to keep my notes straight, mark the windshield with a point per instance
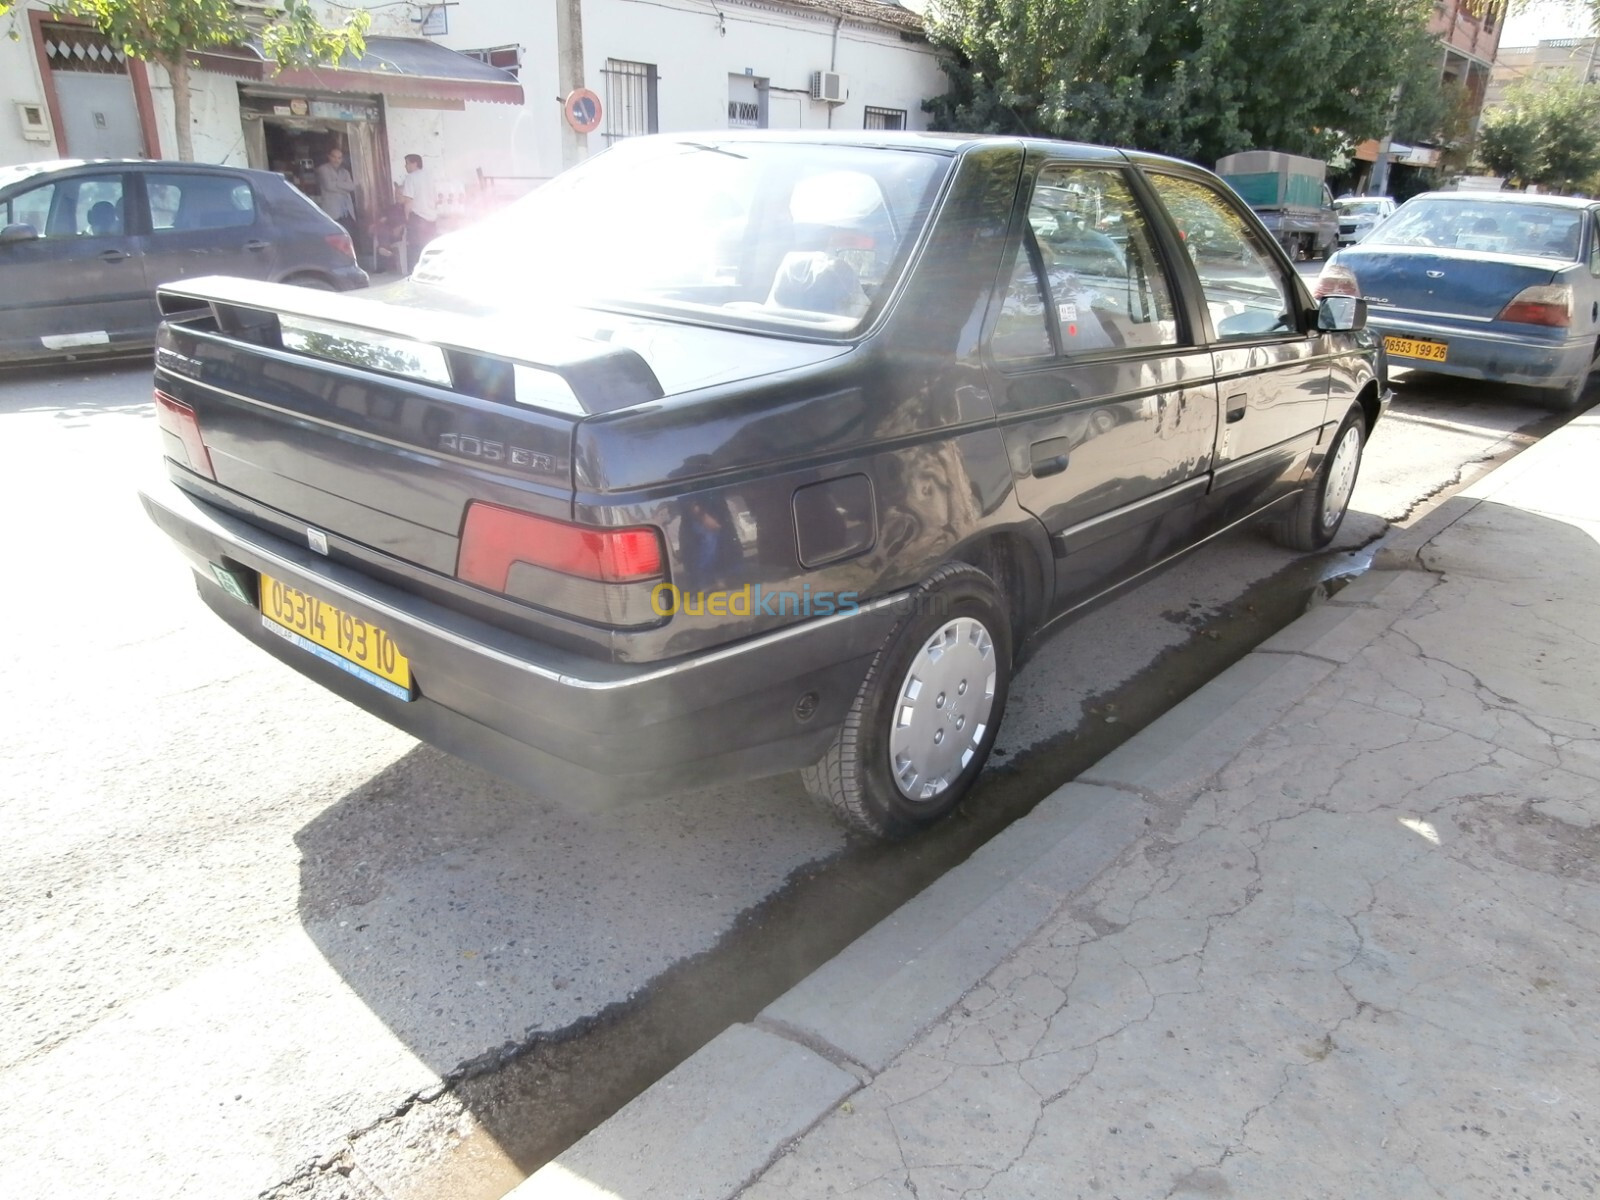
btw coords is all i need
(1543, 230)
(1373, 208)
(738, 231)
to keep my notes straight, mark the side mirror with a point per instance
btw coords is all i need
(17, 233)
(1341, 314)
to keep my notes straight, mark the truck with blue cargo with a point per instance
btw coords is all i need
(1291, 196)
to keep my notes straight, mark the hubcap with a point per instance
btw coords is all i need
(943, 709)
(1341, 477)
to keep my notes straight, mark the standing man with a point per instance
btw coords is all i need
(422, 209)
(336, 191)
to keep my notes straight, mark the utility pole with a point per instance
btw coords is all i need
(569, 75)
(1379, 185)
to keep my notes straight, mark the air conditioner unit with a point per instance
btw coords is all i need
(828, 86)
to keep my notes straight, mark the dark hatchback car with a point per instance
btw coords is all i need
(85, 245)
(783, 470)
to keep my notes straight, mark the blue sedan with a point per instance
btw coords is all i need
(1496, 286)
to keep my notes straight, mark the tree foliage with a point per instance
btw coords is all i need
(168, 32)
(1194, 78)
(1546, 131)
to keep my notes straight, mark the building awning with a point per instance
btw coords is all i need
(390, 67)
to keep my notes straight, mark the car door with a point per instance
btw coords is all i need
(204, 223)
(79, 283)
(1272, 368)
(1105, 397)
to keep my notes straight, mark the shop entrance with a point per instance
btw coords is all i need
(292, 135)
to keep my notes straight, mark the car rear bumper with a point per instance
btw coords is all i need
(559, 723)
(1490, 354)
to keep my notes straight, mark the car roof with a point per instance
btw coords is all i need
(896, 139)
(1510, 198)
(20, 172)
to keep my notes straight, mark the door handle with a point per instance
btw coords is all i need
(114, 255)
(256, 244)
(1050, 466)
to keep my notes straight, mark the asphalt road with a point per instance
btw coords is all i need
(256, 942)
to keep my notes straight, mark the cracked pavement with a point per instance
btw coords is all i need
(1358, 959)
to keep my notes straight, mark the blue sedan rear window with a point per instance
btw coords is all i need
(1491, 227)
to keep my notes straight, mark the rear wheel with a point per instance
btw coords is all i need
(925, 719)
(1316, 516)
(316, 282)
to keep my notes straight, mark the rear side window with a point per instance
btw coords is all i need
(1104, 287)
(183, 201)
(1245, 291)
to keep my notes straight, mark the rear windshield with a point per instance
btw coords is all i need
(1352, 207)
(737, 232)
(1542, 230)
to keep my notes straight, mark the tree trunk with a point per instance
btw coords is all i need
(182, 117)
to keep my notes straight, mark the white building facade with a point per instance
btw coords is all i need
(473, 86)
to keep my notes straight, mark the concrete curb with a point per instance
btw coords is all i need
(718, 1120)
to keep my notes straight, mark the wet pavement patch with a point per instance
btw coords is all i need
(534, 1100)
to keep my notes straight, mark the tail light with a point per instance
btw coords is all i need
(1545, 304)
(494, 539)
(1336, 280)
(178, 419)
(341, 244)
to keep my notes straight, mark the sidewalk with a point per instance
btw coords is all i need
(1331, 927)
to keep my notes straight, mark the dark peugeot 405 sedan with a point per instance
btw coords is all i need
(730, 455)
(84, 245)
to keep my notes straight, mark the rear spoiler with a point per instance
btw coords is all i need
(495, 358)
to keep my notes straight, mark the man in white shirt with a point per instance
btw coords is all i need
(421, 203)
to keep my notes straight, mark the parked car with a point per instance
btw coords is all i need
(1359, 215)
(1484, 285)
(789, 478)
(84, 245)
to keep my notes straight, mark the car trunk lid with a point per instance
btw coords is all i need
(1456, 283)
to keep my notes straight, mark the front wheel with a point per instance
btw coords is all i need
(925, 718)
(1316, 516)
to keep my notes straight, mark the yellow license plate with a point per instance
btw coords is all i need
(1415, 348)
(355, 646)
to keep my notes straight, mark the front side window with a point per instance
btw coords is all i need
(1107, 287)
(742, 231)
(31, 207)
(1488, 226)
(1244, 290)
(81, 206)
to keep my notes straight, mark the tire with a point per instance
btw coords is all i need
(1314, 520)
(315, 282)
(889, 775)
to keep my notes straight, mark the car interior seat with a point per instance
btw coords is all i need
(815, 281)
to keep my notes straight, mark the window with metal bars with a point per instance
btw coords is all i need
(743, 115)
(630, 99)
(884, 118)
